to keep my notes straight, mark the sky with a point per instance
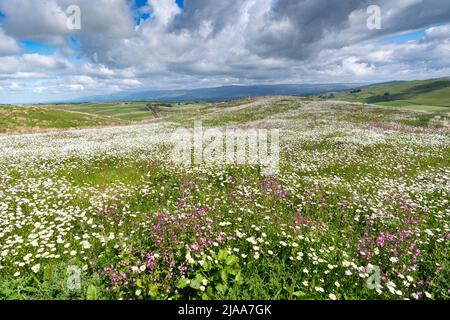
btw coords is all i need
(127, 45)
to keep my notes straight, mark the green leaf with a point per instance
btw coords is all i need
(299, 294)
(207, 266)
(231, 260)
(183, 283)
(31, 289)
(224, 275)
(195, 284)
(205, 296)
(153, 291)
(222, 288)
(91, 293)
(222, 255)
(238, 278)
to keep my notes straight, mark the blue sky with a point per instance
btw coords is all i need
(137, 4)
(409, 36)
(39, 47)
(32, 46)
(161, 44)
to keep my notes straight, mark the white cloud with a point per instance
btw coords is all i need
(131, 83)
(211, 43)
(32, 64)
(164, 11)
(353, 66)
(35, 20)
(438, 33)
(8, 45)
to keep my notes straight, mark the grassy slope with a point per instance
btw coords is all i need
(15, 119)
(421, 95)
(138, 111)
(431, 95)
(127, 111)
(28, 119)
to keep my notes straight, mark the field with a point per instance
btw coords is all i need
(124, 111)
(132, 112)
(26, 119)
(432, 95)
(359, 209)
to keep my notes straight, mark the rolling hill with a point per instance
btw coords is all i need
(431, 94)
(15, 119)
(217, 94)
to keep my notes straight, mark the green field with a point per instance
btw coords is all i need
(134, 111)
(28, 119)
(129, 111)
(431, 95)
(108, 212)
(23, 119)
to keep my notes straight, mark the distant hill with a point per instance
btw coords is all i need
(217, 94)
(431, 94)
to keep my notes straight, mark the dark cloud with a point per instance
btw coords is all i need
(410, 15)
(212, 42)
(304, 23)
(197, 12)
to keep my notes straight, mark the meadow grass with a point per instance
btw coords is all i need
(27, 119)
(129, 111)
(431, 95)
(413, 106)
(360, 187)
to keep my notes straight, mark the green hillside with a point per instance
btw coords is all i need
(14, 119)
(420, 95)
(133, 111)
(128, 111)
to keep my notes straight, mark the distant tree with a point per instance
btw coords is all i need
(152, 109)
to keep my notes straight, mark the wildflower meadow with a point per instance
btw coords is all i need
(358, 208)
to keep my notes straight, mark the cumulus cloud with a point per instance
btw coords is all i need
(32, 64)
(164, 11)
(8, 45)
(438, 33)
(221, 42)
(35, 20)
(47, 19)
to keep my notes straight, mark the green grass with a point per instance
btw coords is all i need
(182, 113)
(133, 111)
(29, 119)
(433, 95)
(349, 175)
(23, 119)
(412, 106)
(127, 111)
